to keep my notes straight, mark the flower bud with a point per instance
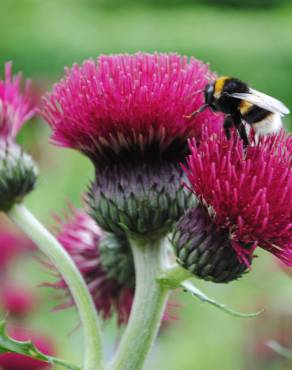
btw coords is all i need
(204, 250)
(117, 259)
(18, 174)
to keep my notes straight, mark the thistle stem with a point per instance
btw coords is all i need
(64, 264)
(148, 307)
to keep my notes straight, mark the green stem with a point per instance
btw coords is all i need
(148, 307)
(64, 264)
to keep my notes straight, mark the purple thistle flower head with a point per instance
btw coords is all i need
(81, 238)
(129, 103)
(18, 171)
(15, 106)
(246, 192)
(127, 113)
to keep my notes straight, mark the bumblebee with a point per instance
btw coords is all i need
(243, 105)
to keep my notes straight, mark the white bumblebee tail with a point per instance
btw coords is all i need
(270, 125)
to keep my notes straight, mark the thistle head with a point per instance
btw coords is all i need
(127, 113)
(18, 171)
(245, 197)
(15, 106)
(123, 106)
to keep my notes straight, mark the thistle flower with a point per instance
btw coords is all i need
(15, 361)
(128, 103)
(15, 107)
(245, 199)
(112, 289)
(17, 170)
(126, 113)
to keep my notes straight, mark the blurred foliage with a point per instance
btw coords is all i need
(253, 4)
(255, 45)
(43, 36)
(256, 4)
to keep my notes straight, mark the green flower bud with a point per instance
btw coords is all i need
(18, 174)
(117, 259)
(204, 250)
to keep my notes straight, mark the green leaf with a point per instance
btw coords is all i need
(278, 348)
(27, 348)
(191, 288)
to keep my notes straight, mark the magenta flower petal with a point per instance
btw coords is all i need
(15, 106)
(248, 193)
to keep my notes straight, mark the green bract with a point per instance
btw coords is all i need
(144, 200)
(117, 259)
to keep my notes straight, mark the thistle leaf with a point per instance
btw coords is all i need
(27, 348)
(191, 288)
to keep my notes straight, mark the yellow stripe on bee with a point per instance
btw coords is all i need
(219, 84)
(244, 106)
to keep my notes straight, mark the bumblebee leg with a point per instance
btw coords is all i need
(228, 123)
(200, 110)
(237, 119)
(243, 135)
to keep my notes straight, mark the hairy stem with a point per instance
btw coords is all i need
(148, 307)
(64, 264)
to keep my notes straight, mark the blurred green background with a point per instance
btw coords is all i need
(247, 39)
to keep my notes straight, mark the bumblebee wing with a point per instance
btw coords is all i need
(263, 101)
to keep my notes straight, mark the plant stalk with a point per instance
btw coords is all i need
(148, 307)
(64, 264)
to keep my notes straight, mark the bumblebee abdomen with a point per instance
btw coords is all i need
(252, 113)
(271, 124)
(244, 107)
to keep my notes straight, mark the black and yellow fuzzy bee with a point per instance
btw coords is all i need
(241, 104)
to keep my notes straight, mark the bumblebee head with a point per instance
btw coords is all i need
(209, 95)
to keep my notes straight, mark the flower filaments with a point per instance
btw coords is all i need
(18, 172)
(127, 103)
(126, 113)
(112, 289)
(245, 200)
(15, 107)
